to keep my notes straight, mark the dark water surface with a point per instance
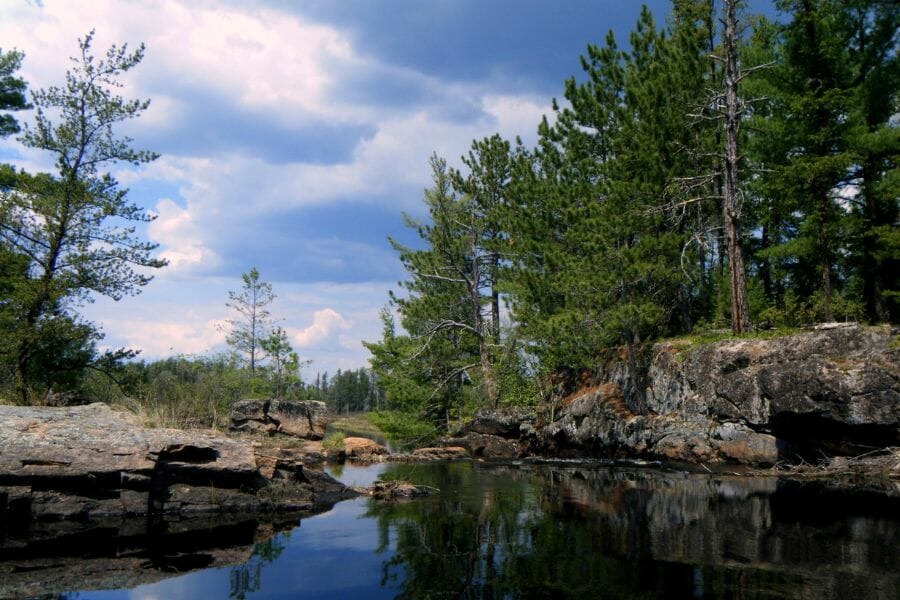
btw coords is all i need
(569, 531)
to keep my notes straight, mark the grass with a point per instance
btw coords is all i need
(686, 343)
(354, 424)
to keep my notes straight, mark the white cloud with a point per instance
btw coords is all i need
(158, 336)
(517, 115)
(263, 57)
(325, 323)
(272, 64)
(176, 230)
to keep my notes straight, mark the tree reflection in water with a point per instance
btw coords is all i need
(535, 531)
(245, 578)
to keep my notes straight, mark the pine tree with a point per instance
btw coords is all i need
(446, 300)
(12, 91)
(489, 165)
(254, 321)
(72, 227)
(872, 32)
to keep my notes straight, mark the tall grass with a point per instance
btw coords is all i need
(180, 392)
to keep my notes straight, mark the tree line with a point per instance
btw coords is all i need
(347, 391)
(723, 171)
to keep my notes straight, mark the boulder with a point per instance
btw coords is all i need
(305, 420)
(299, 419)
(364, 450)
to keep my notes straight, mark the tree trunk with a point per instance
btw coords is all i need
(478, 321)
(740, 312)
(495, 297)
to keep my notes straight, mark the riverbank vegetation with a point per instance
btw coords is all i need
(715, 174)
(718, 174)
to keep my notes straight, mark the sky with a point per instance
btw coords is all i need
(294, 134)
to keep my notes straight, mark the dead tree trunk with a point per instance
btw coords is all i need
(731, 204)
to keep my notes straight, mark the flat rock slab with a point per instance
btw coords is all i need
(89, 461)
(96, 442)
(364, 450)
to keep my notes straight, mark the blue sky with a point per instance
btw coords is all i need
(294, 133)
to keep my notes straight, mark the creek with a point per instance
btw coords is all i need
(567, 530)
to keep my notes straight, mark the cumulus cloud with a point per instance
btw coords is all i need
(259, 56)
(325, 324)
(179, 236)
(285, 146)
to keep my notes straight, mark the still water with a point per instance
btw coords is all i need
(574, 530)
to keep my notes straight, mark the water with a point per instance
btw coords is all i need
(567, 531)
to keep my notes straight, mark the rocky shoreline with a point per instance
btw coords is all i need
(830, 392)
(87, 494)
(89, 462)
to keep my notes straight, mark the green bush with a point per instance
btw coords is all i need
(404, 429)
(333, 441)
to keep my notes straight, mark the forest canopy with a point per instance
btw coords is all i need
(719, 172)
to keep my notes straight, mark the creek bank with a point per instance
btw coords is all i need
(88, 462)
(832, 391)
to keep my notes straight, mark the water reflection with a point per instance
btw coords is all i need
(512, 531)
(47, 557)
(538, 531)
(246, 578)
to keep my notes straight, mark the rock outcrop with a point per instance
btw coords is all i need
(834, 390)
(497, 433)
(306, 420)
(89, 462)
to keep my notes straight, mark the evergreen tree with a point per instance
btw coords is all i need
(284, 364)
(830, 145)
(555, 188)
(254, 321)
(597, 264)
(489, 166)
(872, 31)
(67, 226)
(12, 91)
(444, 309)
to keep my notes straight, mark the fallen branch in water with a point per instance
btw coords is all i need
(879, 468)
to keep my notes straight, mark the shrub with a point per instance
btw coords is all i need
(333, 441)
